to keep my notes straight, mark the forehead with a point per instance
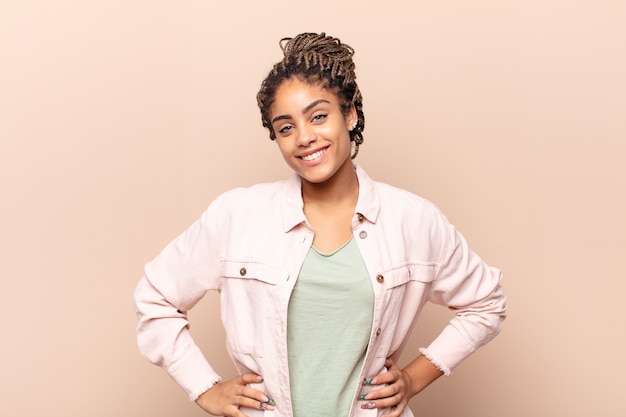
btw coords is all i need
(295, 94)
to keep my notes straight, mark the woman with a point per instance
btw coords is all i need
(321, 276)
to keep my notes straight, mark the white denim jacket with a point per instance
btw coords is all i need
(250, 244)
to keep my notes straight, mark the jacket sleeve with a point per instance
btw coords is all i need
(470, 288)
(172, 284)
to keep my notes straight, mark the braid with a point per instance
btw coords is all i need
(316, 59)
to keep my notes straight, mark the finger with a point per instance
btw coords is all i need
(390, 364)
(388, 402)
(253, 398)
(267, 405)
(384, 392)
(388, 377)
(250, 378)
(391, 403)
(255, 395)
(259, 405)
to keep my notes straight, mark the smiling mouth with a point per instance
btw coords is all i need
(314, 155)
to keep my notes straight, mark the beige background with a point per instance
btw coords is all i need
(121, 120)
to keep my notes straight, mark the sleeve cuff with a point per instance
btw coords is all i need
(438, 364)
(193, 373)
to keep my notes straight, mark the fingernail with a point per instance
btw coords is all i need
(267, 405)
(368, 406)
(367, 381)
(362, 396)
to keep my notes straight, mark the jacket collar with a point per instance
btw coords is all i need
(292, 205)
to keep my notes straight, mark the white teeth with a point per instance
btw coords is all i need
(313, 156)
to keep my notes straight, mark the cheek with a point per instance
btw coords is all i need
(284, 150)
(338, 131)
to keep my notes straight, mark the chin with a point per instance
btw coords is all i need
(317, 178)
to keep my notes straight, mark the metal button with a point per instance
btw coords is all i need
(362, 234)
(378, 331)
(380, 278)
(243, 271)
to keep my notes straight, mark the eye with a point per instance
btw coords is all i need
(285, 130)
(319, 117)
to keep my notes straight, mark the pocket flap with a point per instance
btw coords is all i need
(413, 272)
(422, 272)
(252, 270)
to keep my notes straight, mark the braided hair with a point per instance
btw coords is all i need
(319, 60)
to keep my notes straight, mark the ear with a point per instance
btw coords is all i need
(351, 117)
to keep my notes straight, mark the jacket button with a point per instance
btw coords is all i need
(362, 234)
(243, 272)
(378, 331)
(380, 278)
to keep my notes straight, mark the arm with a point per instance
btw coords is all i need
(420, 373)
(172, 284)
(163, 337)
(470, 288)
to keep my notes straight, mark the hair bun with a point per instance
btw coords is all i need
(316, 43)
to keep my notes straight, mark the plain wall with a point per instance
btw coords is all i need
(121, 120)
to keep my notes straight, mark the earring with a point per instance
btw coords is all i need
(354, 124)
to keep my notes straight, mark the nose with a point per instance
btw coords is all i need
(306, 135)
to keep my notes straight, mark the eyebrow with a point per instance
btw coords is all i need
(306, 109)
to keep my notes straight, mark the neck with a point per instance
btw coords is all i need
(342, 188)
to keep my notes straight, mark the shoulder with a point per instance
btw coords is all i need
(410, 212)
(425, 230)
(394, 204)
(395, 198)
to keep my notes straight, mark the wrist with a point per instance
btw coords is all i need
(421, 373)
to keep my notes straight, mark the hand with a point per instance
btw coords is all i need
(225, 398)
(395, 394)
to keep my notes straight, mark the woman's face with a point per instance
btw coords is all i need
(311, 131)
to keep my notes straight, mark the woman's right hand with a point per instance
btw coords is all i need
(226, 398)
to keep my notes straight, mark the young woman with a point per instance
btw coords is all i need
(321, 276)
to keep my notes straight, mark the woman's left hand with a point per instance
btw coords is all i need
(396, 393)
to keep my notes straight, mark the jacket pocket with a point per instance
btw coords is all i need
(248, 295)
(405, 290)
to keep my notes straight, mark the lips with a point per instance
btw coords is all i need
(313, 156)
